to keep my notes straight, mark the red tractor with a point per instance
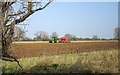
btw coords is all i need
(63, 40)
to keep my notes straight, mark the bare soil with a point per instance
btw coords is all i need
(22, 50)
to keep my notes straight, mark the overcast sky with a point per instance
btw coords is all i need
(83, 19)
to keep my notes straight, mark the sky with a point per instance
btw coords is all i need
(83, 19)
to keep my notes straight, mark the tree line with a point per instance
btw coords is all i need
(20, 35)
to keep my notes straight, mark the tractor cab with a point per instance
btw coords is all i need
(53, 40)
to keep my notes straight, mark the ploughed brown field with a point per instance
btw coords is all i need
(23, 50)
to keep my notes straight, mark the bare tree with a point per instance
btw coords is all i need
(71, 37)
(41, 36)
(13, 13)
(95, 37)
(117, 33)
(19, 33)
(54, 34)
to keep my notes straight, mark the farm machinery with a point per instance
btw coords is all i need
(61, 40)
(53, 40)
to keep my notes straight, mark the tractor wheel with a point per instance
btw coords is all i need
(50, 41)
(55, 41)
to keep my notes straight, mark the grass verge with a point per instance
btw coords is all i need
(87, 62)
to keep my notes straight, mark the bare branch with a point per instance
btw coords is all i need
(11, 59)
(43, 6)
(16, 13)
(30, 12)
(6, 5)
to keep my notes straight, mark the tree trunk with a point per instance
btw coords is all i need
(7, 34)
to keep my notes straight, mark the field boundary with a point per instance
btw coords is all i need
(71, 41)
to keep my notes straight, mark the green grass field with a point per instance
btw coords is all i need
(88, 62)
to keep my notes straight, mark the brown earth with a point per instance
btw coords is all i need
(23, 50)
